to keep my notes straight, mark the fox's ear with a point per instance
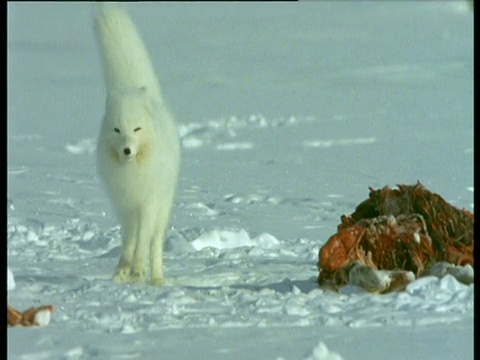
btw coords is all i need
(148, 107)
(112, 97)
(148, 102)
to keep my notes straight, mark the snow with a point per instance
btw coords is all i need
(10, 280)
(287, 114)
(321, 352)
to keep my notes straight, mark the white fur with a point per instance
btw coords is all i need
(138, 151)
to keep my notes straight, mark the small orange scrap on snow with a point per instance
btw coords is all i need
(34, 316)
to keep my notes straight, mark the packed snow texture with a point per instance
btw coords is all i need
(287, 113)
(10, 280)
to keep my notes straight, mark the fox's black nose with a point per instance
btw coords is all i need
(127, 151)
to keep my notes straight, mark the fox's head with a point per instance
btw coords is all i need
(128, 127)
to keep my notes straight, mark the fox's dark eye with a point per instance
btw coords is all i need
(117, 130)
(136, 129)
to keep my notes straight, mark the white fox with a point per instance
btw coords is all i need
(138, 150)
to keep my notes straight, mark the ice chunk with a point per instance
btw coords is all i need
(222, 239)
(321, 352)
(10, 280)
(266, 241)
(463, 274)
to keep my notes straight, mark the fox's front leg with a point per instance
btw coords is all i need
(145, 228)
(157, 258)
(157, 244)
(129, 230)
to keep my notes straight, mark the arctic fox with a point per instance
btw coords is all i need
(138, 151)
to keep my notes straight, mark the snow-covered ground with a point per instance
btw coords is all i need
(287, 113)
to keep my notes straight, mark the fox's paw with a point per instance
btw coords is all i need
(157, 276)
(138, 276)
(122, 274)
(157, 281)
(139, 272)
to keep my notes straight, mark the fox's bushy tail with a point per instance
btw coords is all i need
(126, 62)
